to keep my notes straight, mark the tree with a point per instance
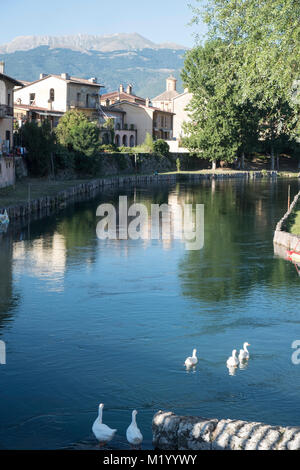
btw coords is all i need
(78, 134)
(39, 142)
(223, 125)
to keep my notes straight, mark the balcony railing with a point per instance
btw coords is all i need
(6, 111)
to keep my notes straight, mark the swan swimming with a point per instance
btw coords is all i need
(233, 360)
(191, 361)
(103, 433)
(133, 434)
(244, 353)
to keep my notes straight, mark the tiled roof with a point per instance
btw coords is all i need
(76, 80)
(122, 95)
(166, 96)
(36, 108)
(141, 106)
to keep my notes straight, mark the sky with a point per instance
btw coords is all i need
(157, 20)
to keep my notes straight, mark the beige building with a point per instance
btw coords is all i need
(53, 95)
(165, 100)
(145, 119)
(121, 95)
(181, 114)
(7, 85)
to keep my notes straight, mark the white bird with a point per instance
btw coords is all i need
(191, 361)
(133, 434)
(244, 353)
(233, 360)
(103, 433)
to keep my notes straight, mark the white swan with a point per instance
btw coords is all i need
(244, 353)
(133, 434)
(103, 433)
(233, 360)
(191, 361)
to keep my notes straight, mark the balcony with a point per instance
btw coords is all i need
(6, 111)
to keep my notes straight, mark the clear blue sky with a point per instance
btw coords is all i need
(157, 20)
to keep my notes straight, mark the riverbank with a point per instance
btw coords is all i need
(284, 237)
(31, 196)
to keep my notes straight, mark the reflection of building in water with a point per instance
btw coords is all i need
(7, 298)
(44, 257)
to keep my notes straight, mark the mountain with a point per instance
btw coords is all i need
(146, 69)
(86, 42)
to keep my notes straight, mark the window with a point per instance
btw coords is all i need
(32, 98)
(8, 99)
(87, 100)
(52, 95)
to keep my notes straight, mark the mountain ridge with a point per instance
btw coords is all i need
(86, 43)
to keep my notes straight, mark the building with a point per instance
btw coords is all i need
(165, 100)
(54, 95)
(121, 95)
(7, 85)
(145, 119)
(122, 134)
(23, 113)
(181, 115)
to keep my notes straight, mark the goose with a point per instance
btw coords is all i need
(244, 353)
(103, 433)
(233, 360)
(133, 434)
(191, 361)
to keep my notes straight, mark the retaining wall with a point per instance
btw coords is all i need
(282, 237)
(172, 432)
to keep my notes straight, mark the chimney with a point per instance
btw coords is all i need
(171, 83)
(2, 66)
(129, 89)
(147, 102)
(121, 89)
(65, 76)
(93, 80)
(42, 75)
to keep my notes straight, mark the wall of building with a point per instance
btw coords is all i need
(6, 124)
(181, 115)
(7, 171)
(42, 94)
(141, 117)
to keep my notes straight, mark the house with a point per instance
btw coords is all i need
(144, 119)
(176, 103)
(53, 95)
(7, 85)
(121, 95)
(164, 101)
(122, 134)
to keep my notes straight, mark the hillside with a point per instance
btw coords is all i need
(145, 68)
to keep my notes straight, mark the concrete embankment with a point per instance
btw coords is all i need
(282, 238)
(172, 432)
(88, 189)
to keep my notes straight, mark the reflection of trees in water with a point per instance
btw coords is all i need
(8, 299)
(239, 220)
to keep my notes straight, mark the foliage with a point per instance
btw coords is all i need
(39, 142)
(161, 147)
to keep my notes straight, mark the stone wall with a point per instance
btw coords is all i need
(282, 237)
(7, 171)
(172, 432)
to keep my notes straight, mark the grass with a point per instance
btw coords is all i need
(295, 226)
(39, 187)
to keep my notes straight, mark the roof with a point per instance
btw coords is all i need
(76, 80)
(108, 108)
(122, 95)
(166, 96)
(9, 79)
(30, 107)
(141, 106)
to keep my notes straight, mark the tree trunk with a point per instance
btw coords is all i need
(214, 164)
(277, 162)
(272, 159)
(243, 161)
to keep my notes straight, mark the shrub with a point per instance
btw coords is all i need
(39, 142)
(161, 147)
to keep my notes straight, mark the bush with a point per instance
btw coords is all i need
(161, 147)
